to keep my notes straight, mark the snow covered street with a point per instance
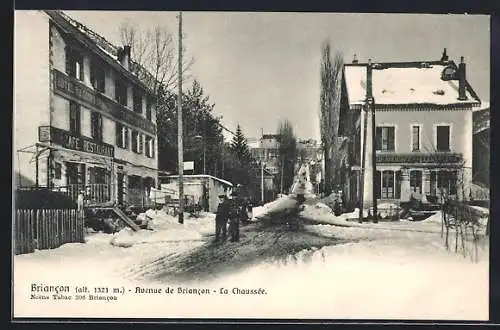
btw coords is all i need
(329, 268)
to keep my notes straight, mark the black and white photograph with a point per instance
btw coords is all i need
(251, 165)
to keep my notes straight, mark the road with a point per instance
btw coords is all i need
(258, 243)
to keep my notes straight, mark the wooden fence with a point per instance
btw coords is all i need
(47, 229)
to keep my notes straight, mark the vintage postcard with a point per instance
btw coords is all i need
(251, 165)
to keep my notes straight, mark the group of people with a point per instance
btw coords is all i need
(230, 211)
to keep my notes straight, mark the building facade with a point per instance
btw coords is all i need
(83, 120)
(200, 189)
(423, 130)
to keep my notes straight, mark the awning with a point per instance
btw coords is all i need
(81, 157)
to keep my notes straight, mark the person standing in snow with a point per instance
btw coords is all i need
(234, 217)
(221, 217)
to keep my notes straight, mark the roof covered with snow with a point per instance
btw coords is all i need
(137, 72)
(405, 83)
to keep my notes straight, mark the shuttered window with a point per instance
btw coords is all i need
(384, 139)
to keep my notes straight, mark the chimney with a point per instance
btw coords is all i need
(124, 57)
(461, 80)
(444, 58)
(369, 93)
(355, 59)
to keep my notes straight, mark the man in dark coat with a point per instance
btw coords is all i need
(221, 217)
(235, 217)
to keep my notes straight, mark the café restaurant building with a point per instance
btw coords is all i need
(83, 120)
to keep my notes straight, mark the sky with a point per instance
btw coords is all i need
(259, 68)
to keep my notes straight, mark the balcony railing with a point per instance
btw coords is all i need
(73, 88)
(420, 158)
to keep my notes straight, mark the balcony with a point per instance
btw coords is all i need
(73, 89)
(419, 158)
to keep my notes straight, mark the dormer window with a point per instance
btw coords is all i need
(449, 73)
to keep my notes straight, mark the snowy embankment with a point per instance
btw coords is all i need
(407, 277)
(279, 205)
(322, 214)
(163, 227)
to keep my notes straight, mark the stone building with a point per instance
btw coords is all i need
(423, 130)
(83, 120)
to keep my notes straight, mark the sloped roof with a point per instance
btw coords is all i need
(405, 83)
(106, 48)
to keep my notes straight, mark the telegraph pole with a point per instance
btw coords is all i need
(180, 148)
(262, 166)
(371, 109)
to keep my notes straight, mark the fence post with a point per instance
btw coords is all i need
(30, 231)
(16, 231)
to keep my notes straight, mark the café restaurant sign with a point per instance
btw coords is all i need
(79, 143)
(67, 86)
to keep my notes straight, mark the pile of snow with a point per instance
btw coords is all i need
(279, 205)
(354, 214)
(162, 227)
(435, 218)
(324, 207)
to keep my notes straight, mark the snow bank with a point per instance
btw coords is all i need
(435, 218)
(163, 227)
(279, 205)
(382, 279)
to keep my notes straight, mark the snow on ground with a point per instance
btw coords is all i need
(380, 273)
(163, 227)
(278, 205)
(407, 278)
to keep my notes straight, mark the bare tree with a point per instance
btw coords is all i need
(330, 100)
(154, 56)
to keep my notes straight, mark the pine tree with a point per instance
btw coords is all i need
(239, 147)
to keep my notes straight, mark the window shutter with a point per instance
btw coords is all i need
(69, 67)
(153, 148)
(126, 137)
(80, 59)
(378, 138)
(119, 135)
(398, 185)
(390, 138)
(93, 125)
(377, 185)
(99, 127)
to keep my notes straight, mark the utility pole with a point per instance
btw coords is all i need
(371, 104)
(262, 165)
(282, 170)
(204, 143)
(179, 127)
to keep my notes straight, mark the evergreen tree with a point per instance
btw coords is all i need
(239, 147)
